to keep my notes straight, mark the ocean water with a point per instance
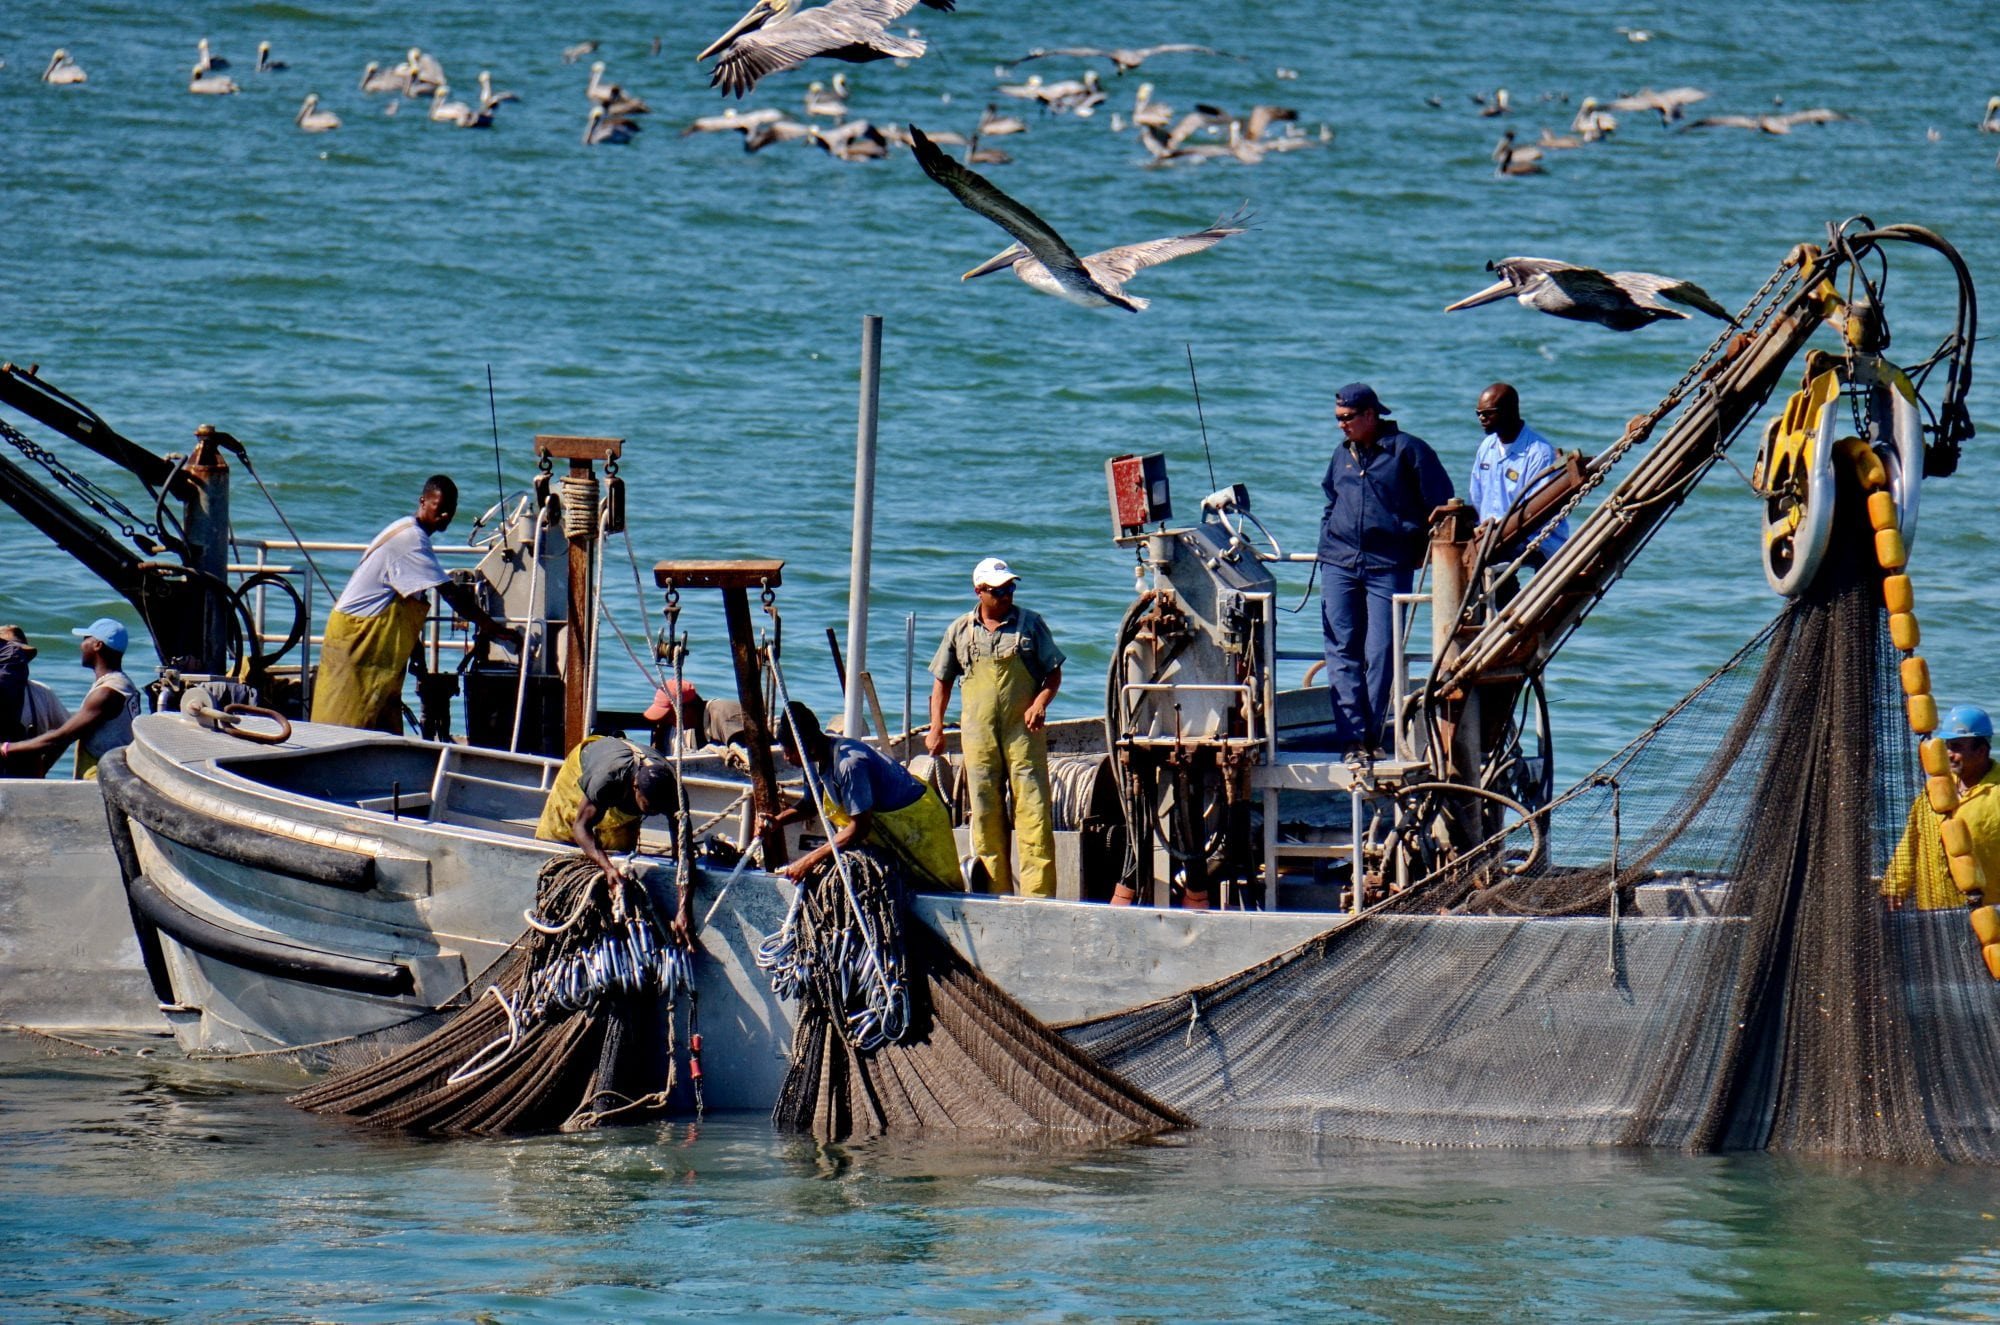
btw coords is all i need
(337, 301)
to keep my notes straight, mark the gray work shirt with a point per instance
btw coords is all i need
(605, 770)
(1023, 632)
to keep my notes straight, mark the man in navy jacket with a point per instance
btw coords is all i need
(1381, 487)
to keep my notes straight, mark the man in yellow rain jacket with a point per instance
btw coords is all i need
(380, 617)
(1918, 871)
(1012, 670)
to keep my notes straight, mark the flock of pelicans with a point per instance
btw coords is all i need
(778, 35)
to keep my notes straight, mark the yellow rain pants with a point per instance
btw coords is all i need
(1000, 752)
(618, 830)
(360, 682)
(919, 835)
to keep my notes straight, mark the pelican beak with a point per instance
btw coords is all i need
(758, 14)
(1498, 290)
(1005, 258)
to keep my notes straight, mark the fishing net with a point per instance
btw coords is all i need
(896, 1032)
(572, 1029)
(1695, 954)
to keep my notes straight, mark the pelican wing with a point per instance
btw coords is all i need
(1179, 48)
(790, 41)
(976, 193)
(1646, 288)
(1818, 115)
(1123, 263)
(1726, 122)
(1591, 289)
(1075, 52)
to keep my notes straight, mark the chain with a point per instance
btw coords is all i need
(130, 523)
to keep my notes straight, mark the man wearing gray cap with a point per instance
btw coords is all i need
(1012, 670)
(1381, 487)
(103, 723)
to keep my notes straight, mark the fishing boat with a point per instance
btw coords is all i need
(1434, 947)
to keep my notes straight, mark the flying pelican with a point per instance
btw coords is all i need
(1668, 104)
(775, 35)
(1620, 300)
(1778, 125)
(1991, 122)
(265, 64)
(1125, 58)
(206, 62)
(211, 85)
(1041, 258)
(571, 54)
(856, 140)
(488, 98)
(63, 71)
(1553, 142)
(603, 129)
(761, 136)
(992, 124)
(314, 120)
(732, 120)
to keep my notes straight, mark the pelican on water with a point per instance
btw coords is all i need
(488, 98)
(1991, 122)
(457, 112)
(206, 62)
(605, 129)
(375, 79)
(422, 73)
(314, 120)
(776, 34)
(212, 85)
(63, 71)
(1668, 105)
(1620, 300)
(265, 64)
(1040, 258)
(1125, 58)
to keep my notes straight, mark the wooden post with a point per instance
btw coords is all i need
(735, 579)
(580, 498)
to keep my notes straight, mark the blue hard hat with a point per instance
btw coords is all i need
(1966, 720)
(111, 633)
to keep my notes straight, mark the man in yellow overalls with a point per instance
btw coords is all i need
(380, 617)
(1918, 873)
(603, 792)
(1012, 670)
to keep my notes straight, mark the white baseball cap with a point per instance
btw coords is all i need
(991, 574)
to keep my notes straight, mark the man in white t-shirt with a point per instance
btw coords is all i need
(379, 619)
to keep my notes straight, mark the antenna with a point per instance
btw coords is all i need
(493, 414)
(1198, 415)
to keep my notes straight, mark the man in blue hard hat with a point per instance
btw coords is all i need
(103, 722)
(1381, 487)
(1919, 873)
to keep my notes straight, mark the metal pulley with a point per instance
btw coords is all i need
(614, 500)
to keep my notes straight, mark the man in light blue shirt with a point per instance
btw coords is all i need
(1511, 459)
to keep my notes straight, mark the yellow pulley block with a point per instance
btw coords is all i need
(1898, 594)
(1903, 631)
(1943, 794)
(1965, 872)
(1936, 759)
(1986, 925)
(1795, 472)
(1923, 714)
(1916, 677)
(1956, 837)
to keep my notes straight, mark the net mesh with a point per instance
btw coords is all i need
(1700, 958)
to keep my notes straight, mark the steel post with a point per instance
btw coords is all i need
(862, 543)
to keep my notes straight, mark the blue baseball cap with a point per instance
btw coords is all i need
(1359, 395)
(108, 632)
(1966, 720)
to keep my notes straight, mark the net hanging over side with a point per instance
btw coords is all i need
(1701, 959)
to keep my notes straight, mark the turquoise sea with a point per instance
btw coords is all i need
(337, 300)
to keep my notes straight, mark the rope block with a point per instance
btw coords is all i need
(1943, 794)
(1986, 925)
(1882, 510)
(1890, 553)
(1903, 632)
(1898, 594)
(1923, 714)
(1916, 677)
(1936, 759)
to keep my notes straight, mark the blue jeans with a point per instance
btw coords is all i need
(1358, 617)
